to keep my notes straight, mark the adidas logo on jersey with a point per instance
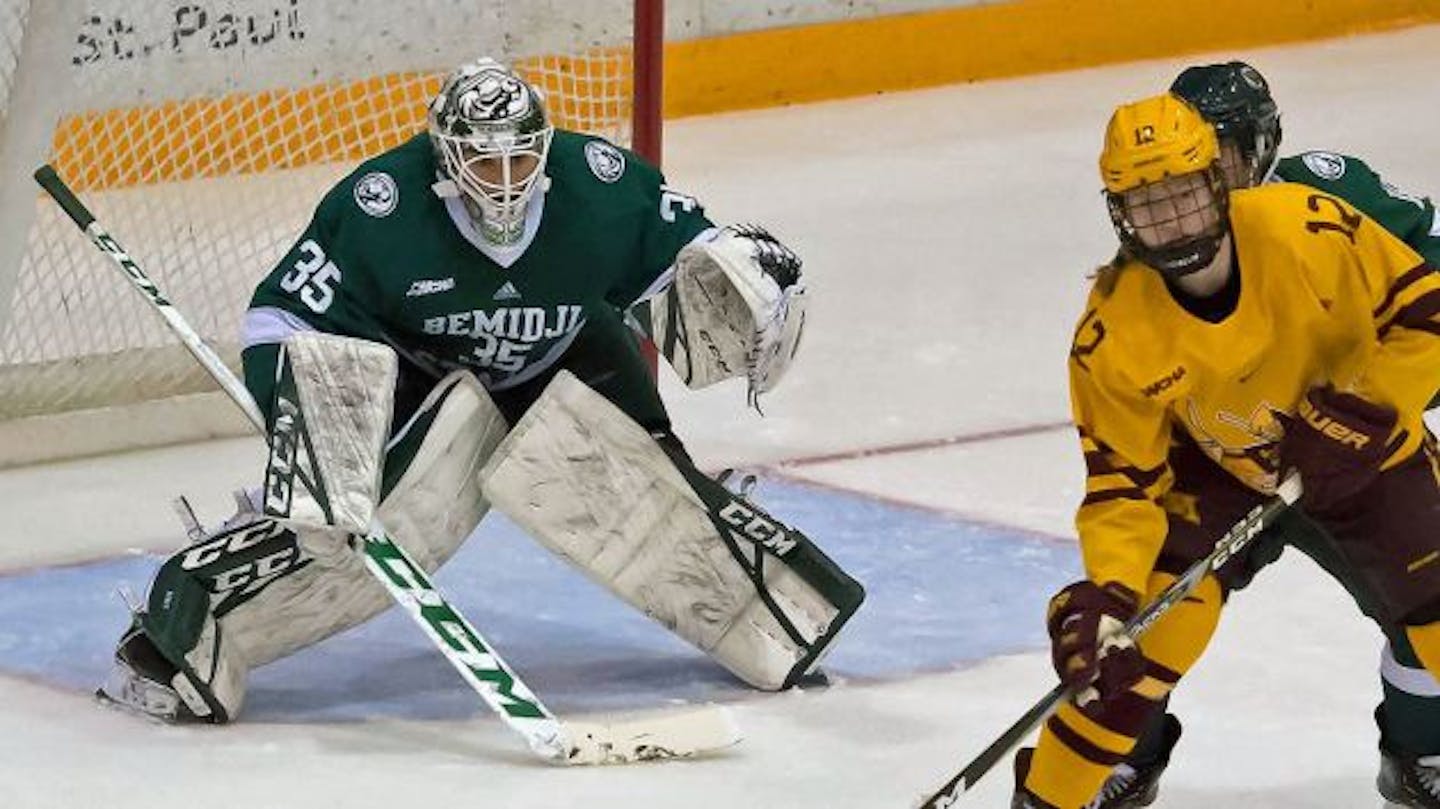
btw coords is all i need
(507, 292)
(430, 287)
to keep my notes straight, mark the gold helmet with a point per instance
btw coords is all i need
(1153, 139)
(1163, 184)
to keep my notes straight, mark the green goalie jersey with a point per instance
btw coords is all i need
(1410, 217)
(387, 259)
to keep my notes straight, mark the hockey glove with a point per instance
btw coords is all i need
(1090, 651)
(1337, 441)
(778, 331)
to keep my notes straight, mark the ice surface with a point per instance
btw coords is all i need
(947, 234)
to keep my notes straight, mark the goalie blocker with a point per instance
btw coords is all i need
(598, 490)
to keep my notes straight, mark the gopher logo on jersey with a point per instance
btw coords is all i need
(606, 162)
(1246, 445)
(1325, 165)
(377, 194)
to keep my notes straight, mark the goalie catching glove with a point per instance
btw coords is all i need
(737, 306)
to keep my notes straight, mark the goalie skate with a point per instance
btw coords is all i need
(141, 681)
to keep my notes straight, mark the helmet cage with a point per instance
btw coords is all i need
(500, 202)
(1190, 194)
(1258, 139)
(483, 124)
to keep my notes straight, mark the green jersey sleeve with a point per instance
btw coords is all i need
(675, 220)
(663, 221)
(310, 289)
(1409, 216)
(317, 287)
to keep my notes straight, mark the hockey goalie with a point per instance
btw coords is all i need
(454, 332)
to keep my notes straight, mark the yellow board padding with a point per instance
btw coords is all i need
(240, 133)
(243, 133)
(346, 122)
(993, 40)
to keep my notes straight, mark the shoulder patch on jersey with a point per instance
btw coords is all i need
(1326, 165)
(606, 162)
(377, 194)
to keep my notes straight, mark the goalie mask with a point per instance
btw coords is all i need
(1163, 185)
(1236, 100)
(491, 135)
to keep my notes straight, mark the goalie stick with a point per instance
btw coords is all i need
(676, 735)
(1234, 540)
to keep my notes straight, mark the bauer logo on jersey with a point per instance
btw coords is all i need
(376, 194)
(1325, 165)
(607, 162)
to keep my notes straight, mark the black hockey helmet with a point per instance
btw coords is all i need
(1236, 100)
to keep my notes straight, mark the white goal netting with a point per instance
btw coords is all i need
(202, 133)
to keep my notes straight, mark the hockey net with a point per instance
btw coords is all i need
(203, 133)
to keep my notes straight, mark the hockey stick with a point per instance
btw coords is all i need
(1239, 535)
(653, 738)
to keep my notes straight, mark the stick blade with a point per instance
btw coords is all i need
(653, 738)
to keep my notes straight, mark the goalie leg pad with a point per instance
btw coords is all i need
(789, 572)
(334, 399)
(593, 487)
(259, 591)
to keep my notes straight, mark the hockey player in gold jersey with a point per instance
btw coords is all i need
(1235, 336)
(1235, 98)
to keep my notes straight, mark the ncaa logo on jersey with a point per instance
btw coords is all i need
(606, 162)
(1325, 165)
(377, 194)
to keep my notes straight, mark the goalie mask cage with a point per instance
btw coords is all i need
(202, 134)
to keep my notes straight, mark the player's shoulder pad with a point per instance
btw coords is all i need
(594, 160)
(378, 187)
(1090, 330)
(1118, 334)
(1271, 201)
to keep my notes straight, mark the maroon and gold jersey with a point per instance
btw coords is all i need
(1326, 296)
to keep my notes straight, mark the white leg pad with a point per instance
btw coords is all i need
(333, 405)
(436, 504)
(592, 486)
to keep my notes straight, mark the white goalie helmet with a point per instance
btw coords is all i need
(492, 134)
